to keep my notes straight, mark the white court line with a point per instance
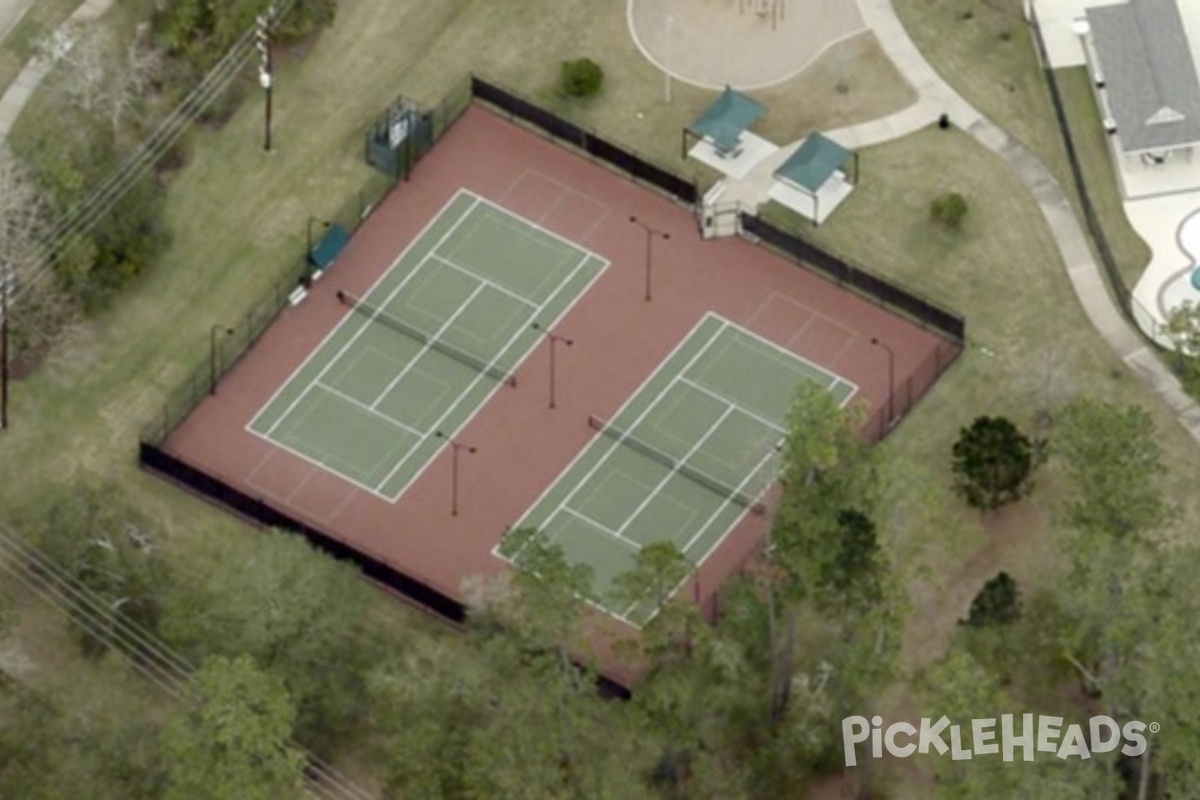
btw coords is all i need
(833, 377)
(729, 409)
(471, 273)
(654, 404)
(328, 468)
(507, 346)
(602, 528)
(530, 223)
(361, 330)
(718, 396)
(428, 348)
(766, 457)
(583, 451)
(354, 401)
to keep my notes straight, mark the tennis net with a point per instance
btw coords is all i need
(457, 353)
(691, 473)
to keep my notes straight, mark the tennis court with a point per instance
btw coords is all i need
(441, 330)
(690, 453)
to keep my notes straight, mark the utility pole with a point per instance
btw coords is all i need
(264, 28)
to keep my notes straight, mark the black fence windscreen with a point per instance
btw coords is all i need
(879, 289)
(211, 488)
(623, 158)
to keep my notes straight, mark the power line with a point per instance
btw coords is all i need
(149, 655)
(85, 215)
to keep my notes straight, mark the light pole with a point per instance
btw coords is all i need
(455, 446)
(262, 34)
(554, 339)
(891, 381)
(651, 232)
(212, 355)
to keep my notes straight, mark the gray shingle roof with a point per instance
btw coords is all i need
(1149, 73)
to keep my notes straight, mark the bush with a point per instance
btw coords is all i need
(581, 78)
(994, 462)
(948, 210)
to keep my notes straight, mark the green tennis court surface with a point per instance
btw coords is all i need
(427, 345)
(686, 456)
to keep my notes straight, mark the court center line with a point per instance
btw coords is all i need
(523, 329)
(354, 338)
(483, 279)
(428, 346)
(675, 470)
(654, 404)
(718, 396)
(602, 528)
(364, 407)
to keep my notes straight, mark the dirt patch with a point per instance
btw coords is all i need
(747, 44)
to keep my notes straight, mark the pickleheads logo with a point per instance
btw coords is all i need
(1028, 735)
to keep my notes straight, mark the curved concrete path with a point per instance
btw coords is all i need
(13, 101)
(937, 97)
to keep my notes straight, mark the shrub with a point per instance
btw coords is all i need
(948, 210)
(581, 77)
(998, 603)
(994, 462)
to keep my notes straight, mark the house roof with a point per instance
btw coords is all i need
(813, 162)
(724, 121)
(1149, 73)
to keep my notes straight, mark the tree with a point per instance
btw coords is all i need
(1183, 329)
(659, 569)
(993, 463)
(38, 309)
(92, 532)
(857, 559)
(961, 689)
(949, 210)
(581, 77)
(297, 612)
(998, 603)
(98, 74)
(1115, 466)
(235, 743)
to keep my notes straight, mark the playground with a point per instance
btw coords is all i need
(747, 44)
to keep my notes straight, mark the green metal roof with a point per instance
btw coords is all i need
(813, 162)
(725, 119)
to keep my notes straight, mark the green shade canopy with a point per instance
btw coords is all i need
(725, 119)
(812, 164)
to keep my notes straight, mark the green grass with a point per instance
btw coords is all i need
(1003, 79)
(1131, 252)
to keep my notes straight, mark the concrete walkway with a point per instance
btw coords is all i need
(937, 97)
(13, 101)
(11, 12)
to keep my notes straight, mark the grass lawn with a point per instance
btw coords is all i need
(238, 216)
(989, 57)
(1091, 144)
